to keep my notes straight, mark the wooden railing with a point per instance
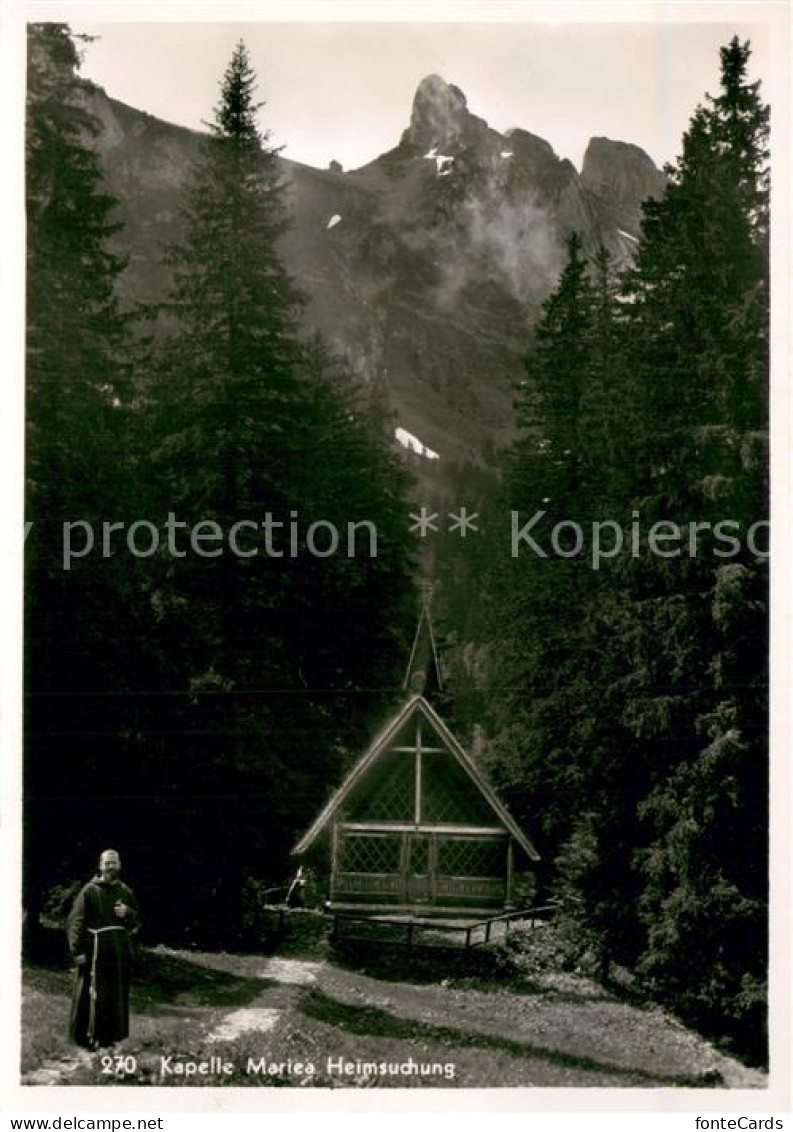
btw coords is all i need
(411, 925)
(544, 911)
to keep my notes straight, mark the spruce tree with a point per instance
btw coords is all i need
(636, 729)
(77, 393)
(565, 413)
(227, 448)
(704, 905)
(284, 654)
(230, 396)
(75, 328)
(549, 406)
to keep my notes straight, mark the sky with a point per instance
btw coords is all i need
(343, 91)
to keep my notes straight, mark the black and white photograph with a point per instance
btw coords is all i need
(397, 457)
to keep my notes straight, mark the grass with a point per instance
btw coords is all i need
(505, 1015)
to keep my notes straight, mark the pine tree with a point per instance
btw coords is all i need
(356, 603)
(77, 385)
(283, 653)
(697, 285)
(230, 397)
(704, 905)
(694, 713)
(544, 634)
(228, 448)
(75, 326)
(549, 407)
(636, 725)
(232, 303)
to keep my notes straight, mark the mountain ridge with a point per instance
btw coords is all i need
(426, 266)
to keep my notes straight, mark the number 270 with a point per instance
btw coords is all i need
(121, 1066)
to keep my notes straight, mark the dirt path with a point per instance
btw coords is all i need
(324, 1021)
(168, 1025)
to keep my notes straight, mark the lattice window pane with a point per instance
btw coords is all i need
(387, 793)
(469, 857)
(369, 854)
(448, 795)
(419, 856)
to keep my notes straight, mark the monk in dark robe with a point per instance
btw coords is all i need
(101, 924)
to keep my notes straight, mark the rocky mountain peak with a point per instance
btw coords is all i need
(427, 274)
(621, 170)
(439, 116)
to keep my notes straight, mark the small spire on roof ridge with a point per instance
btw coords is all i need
(423, 669)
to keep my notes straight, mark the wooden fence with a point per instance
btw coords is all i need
(475, 934)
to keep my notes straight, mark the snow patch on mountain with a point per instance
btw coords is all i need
(443, 161)
(413, 444)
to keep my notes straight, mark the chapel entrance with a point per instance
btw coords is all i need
(416, 828)
(419, 871)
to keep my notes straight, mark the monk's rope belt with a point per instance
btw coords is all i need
(96, 932)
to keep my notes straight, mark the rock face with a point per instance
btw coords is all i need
(427, 266)
(440, 115)
(440, 119)
(621, 175)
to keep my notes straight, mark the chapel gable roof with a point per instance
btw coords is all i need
(415, 705)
